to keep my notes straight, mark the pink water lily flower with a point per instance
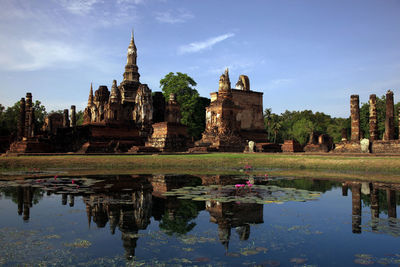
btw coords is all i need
(73, 181)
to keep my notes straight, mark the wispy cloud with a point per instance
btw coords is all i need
(278, 83)
(33, 55)
(207, 44)
(172, 17)
(79, 7)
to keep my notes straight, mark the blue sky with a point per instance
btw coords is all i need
(300, 54)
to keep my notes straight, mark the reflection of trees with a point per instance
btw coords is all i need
(307, 184)
(179, 220)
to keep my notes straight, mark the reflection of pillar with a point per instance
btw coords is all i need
(356, 207)
(374, 207)
(129, 240)
(65, 118)
(27, 203)
(224, 234)
(355, 117)
(345, 188)
(73, 116)
(391, 203)
(20, 199)
(64, 199)
(389, 119)
(243, 232)
(373, 123)
(21, 119)
(113, 216)
(71, 200)
(89, 214)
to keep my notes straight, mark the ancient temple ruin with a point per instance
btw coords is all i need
(358, 144)
(234, 117)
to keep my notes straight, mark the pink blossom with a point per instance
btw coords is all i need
(73, 181)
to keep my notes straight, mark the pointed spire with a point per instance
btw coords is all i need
(90, 101)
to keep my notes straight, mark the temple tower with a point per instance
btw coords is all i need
(131, 69)
(373, 124)
(355, 118)
(389, 120)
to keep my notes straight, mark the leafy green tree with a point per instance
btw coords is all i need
(9, 117)
(192, 105)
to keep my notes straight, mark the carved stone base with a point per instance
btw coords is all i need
(347, 147)
(291, 146)
(169, 136)
(30, 146)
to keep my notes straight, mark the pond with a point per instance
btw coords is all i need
(205, 220)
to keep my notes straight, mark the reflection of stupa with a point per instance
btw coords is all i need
(232, 215)
(129, 212)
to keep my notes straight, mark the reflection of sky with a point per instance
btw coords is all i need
(320, 231)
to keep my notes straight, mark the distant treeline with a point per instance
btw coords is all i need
(299, 124)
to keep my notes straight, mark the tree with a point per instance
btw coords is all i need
(192, 105)
(9, 118)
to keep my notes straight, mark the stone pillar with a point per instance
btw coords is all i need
(356, 208)
(374, 207)
(21, 119)
(73, 116)
(373, 123)
(65, 118)
(355, 118)
(345, 188)
(389, 120)
(28, 115)
(399, 121)
(391, 203)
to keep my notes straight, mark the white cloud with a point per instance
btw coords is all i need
(79, 7)
(278, 83)
(32, 55)
(179, 16)
(199, 46)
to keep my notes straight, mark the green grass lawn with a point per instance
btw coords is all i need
(300, 165)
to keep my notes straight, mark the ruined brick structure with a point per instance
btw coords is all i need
(319, 143)
(389, 118)
(355, 118)
(387, 145)
(169, 135)
(233, 117)
(373, 122)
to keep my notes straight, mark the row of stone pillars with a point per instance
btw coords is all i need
(26, 120)
(373, 123)
(66, 121)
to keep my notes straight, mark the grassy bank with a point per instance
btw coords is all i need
(322, 166)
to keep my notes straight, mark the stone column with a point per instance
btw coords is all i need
(65, 118)
(73, 116)
(373, 123)
(356, 208)
(399, 121)
(374, 207)
(28, 114)
(389, 120)
(391, 203)
(355, 118)
(21, 119)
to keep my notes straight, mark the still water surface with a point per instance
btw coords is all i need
(184, 220)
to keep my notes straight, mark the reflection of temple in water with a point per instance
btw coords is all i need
(234, 215)
(380, 196)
